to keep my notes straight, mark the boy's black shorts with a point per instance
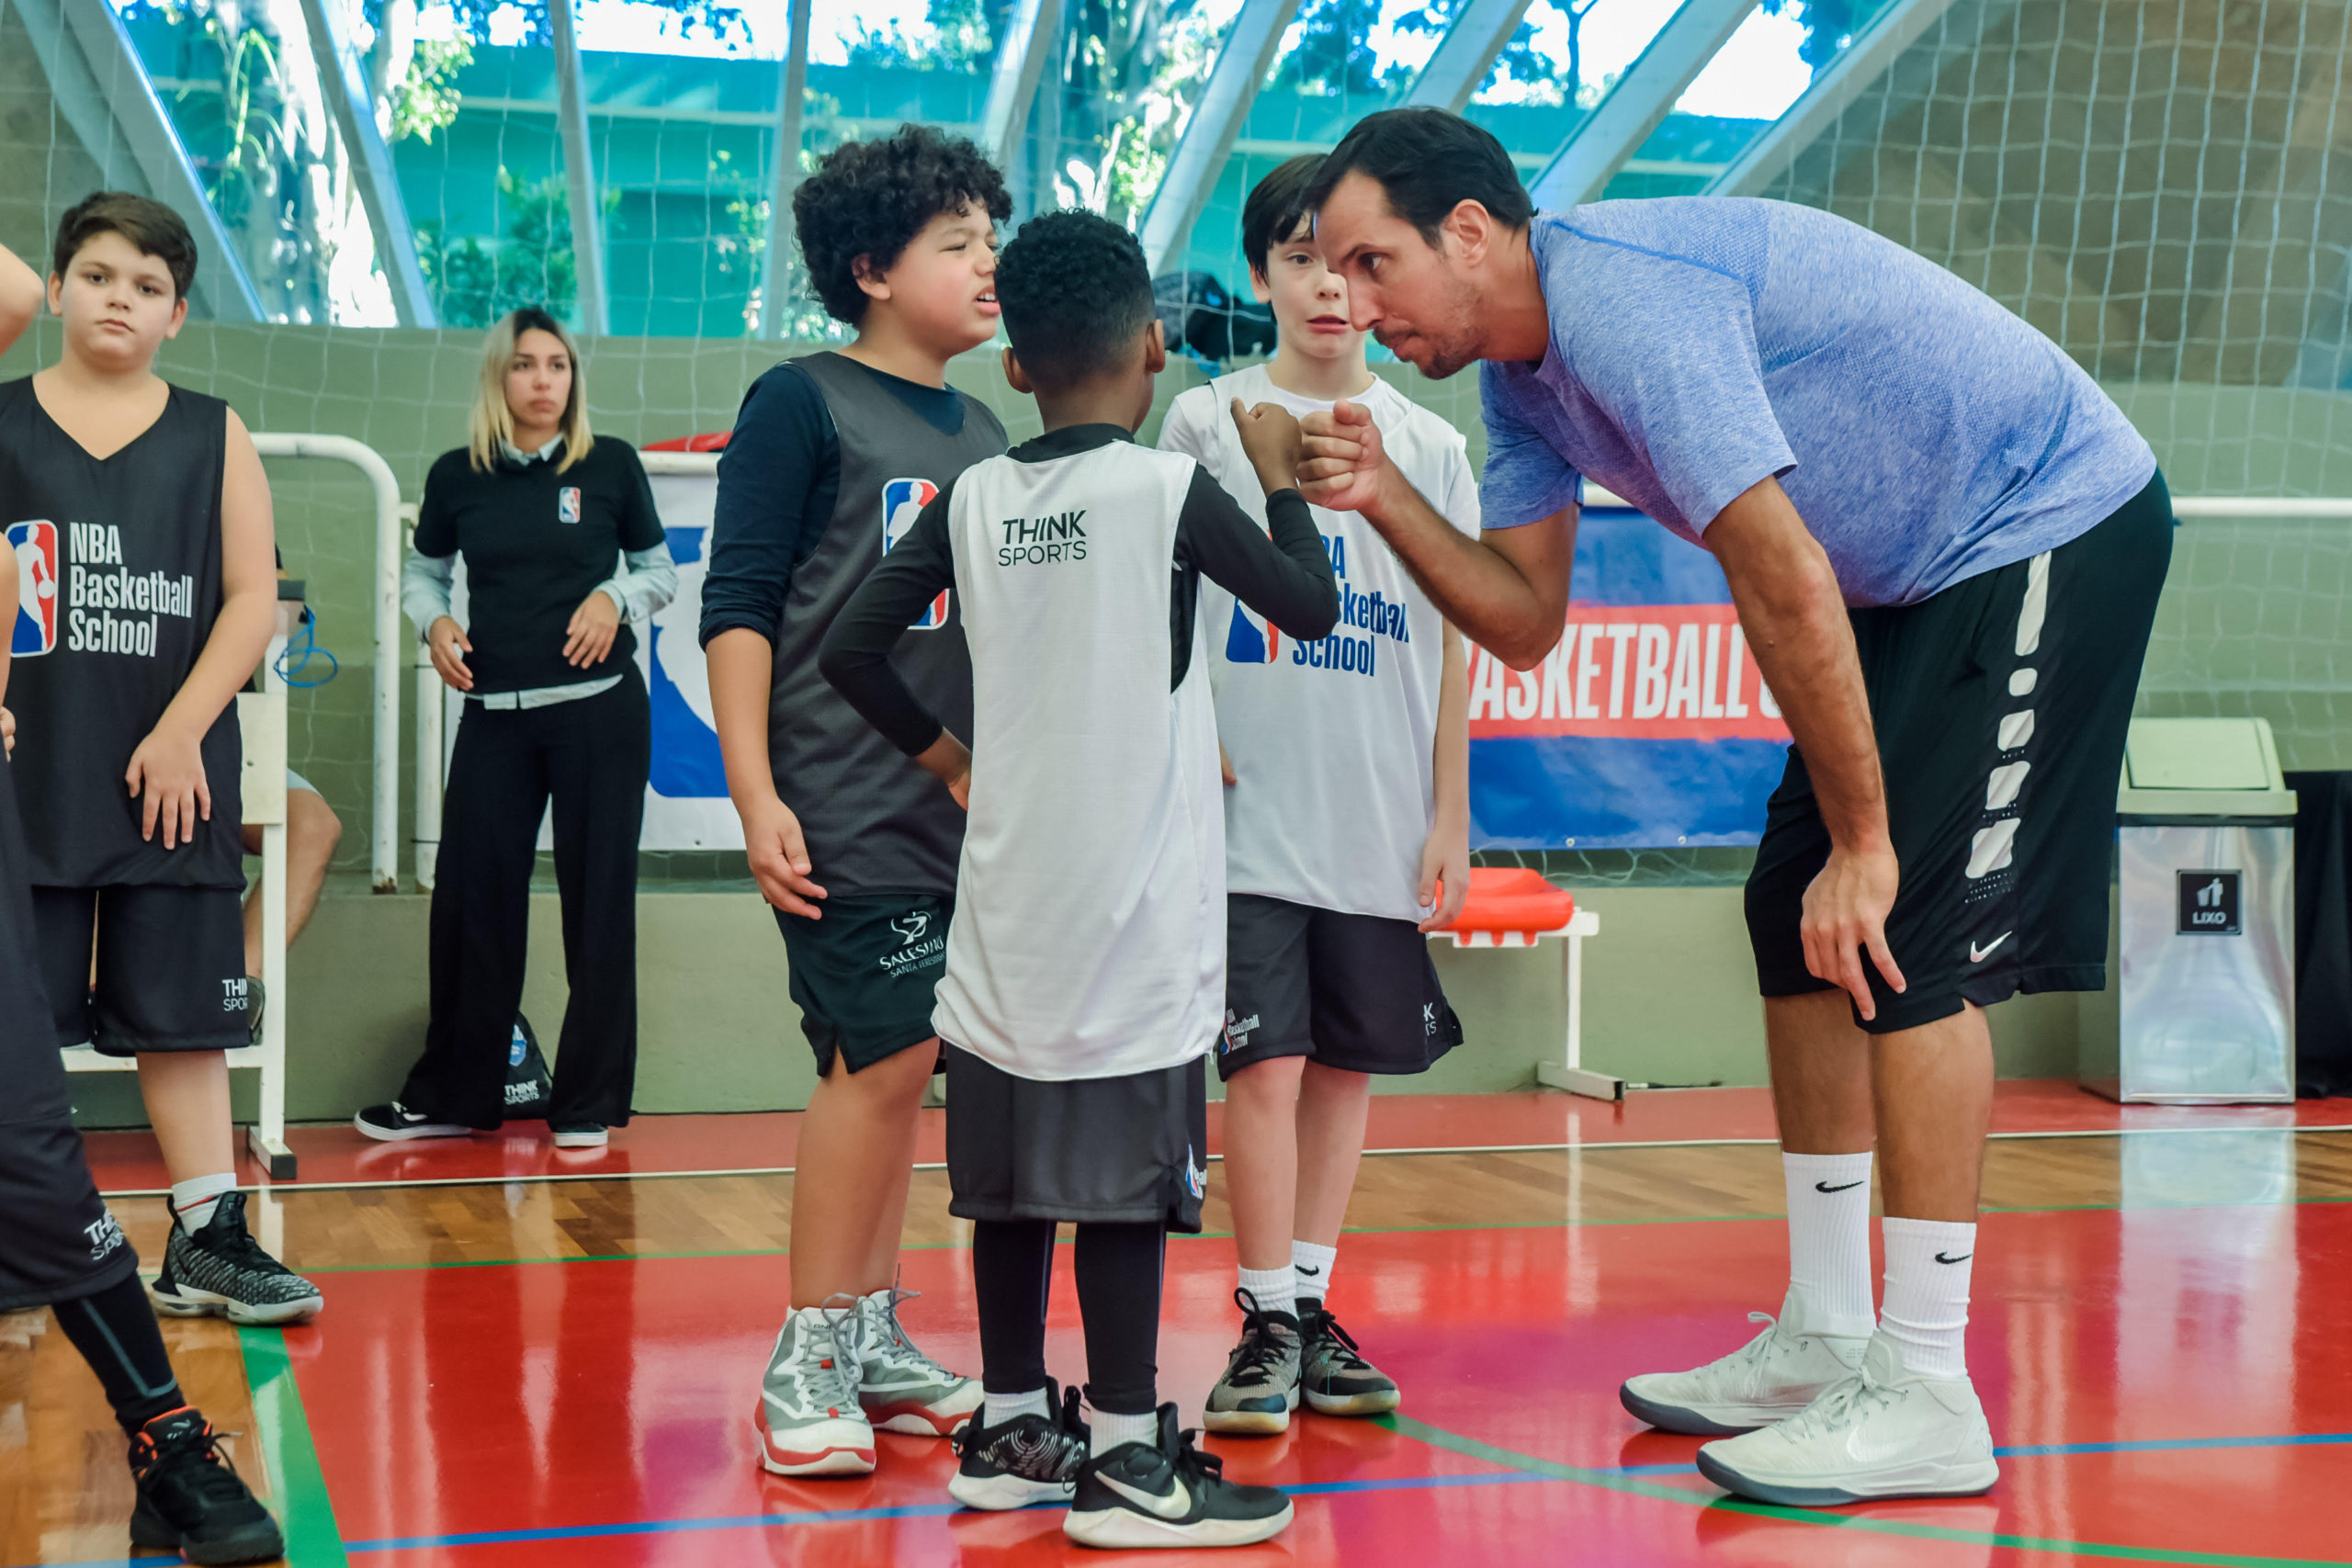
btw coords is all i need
(58, 1243)
(862, 974)
(1355, 992)
(170, 967)
(2001, 706)
(1131, 1149)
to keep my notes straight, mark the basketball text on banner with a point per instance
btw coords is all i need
(1646, 725)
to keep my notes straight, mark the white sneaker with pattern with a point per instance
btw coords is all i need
(1772, 1378)
(809, 1422)
(901, 1389)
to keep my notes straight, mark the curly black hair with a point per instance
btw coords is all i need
(871, 198)
(1075, 293)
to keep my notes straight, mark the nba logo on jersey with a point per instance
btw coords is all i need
(902, 503)
(1252, 640)
(566, 504)
(35, 546)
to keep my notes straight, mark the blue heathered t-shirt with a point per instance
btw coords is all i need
(1700, 344)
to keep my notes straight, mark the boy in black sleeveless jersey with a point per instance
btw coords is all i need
(60, 1247)
(831, 457)
(139, 516)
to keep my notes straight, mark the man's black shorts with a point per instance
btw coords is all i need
(1130, 1149)
(862, 974)
(1354, 992)
(2001, 706)
(170, 967)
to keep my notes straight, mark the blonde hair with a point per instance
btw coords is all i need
(491, 428)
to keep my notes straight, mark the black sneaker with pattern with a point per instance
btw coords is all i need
(221, 1272)
(1169, 1494)
(1260, 1388)
(192, 1500)
(1338, 1381)
(1028, 1460)
(392, 1123)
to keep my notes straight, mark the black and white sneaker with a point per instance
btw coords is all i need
(1261, 1385)
(1029, 1459)
(579, 1135)
(394, 1122)
(221, 1272)
(191, 1499)
(1169, 1494)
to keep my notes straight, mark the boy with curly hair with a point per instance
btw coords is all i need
(833, 455)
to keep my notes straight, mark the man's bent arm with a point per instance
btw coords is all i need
(1507, 589)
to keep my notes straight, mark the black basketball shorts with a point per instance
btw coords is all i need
(862, 974)
(1132, 1149)
(2001, 706)
(58, 1242)
(1355, 992)
(170, 967)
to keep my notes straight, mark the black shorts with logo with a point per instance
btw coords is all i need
(2001, 706)
(862, 974)
(169, 973)
(1131, 1149)
(1355, 992)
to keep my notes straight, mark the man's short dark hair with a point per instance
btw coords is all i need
(871, 198)
(1429, 162)
(153, 229)
(1276, 204)
(1075, 294)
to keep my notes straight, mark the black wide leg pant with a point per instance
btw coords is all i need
(592, 756)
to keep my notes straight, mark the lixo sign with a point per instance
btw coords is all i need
(2210, 905)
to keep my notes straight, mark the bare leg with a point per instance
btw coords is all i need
(1262, 1109)
(1821, 1074)
(855, 1148)
(188, 1100)
(1332, 1105)
(889, 1230)
(312, 832)
(1934, 1094)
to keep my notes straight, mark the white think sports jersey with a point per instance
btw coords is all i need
(1332, 741)
(1089, 937)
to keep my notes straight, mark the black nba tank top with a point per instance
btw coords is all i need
(118, 565)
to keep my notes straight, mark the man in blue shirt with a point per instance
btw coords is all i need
(1945, 544)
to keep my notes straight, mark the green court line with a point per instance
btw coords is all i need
(1454, 1442)
(296, 1482)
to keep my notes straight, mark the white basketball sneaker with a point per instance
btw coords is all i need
(1884, 1432)
(809, 1422)
(1772, 1378)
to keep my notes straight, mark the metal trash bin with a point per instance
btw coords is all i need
(2204, 947)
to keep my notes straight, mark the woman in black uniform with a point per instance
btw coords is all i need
(562, 549)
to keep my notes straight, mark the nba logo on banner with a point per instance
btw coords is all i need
(35, 546)
(566, 504)
(1252, 640)
(902, 503)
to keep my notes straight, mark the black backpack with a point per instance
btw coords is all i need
(529, 1085)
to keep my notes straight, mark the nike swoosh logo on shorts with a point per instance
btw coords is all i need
(1175, 1506)
(1847, 1187)
(1961, 1258)
(1979, 954)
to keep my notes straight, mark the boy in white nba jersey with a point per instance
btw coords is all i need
(1347, 838)
(1085, 974)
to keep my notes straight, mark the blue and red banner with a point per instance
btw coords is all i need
(1647, 726)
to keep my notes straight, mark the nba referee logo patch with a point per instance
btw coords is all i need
(34, 544)
(566, 504)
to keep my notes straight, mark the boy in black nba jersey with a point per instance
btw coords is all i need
(140, 520)
(59, 1246)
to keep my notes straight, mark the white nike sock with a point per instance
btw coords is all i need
(1829, 1240)
(1928, 1271)
(194, 1201)
(1110, 1431)
(1271, 1288)
(1313, 1266)
(999, 1408)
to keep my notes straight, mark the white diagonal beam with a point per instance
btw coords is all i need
(102, 89)
(1200, 155)
(579, 173)
(371, 160)
(792, 92)
(1834, 89)
(1637, 103)
(1466, 53)
(1030, 28)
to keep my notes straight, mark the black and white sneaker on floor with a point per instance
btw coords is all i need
(191, 1500)
(1029, 1459)
(392, 1123)
(1169, 1494)
(221, 1272)
(579, 1135)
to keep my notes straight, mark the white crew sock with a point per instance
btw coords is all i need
(1110, 1431)
(999, 1408)
(1312, 1265)
(194, 1201)
(1829, 1240)
(1928, 1271)
(1271, 1288)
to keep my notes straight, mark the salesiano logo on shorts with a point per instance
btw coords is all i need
(902, 503)
(34, 544)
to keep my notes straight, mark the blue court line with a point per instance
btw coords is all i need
(2064, 1451)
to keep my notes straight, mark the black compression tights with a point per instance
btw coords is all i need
(115, 1330)
(1118, 1295)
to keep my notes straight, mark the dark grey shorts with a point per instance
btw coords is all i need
(1354, 992)
(170, 967)
(1132, 1149)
